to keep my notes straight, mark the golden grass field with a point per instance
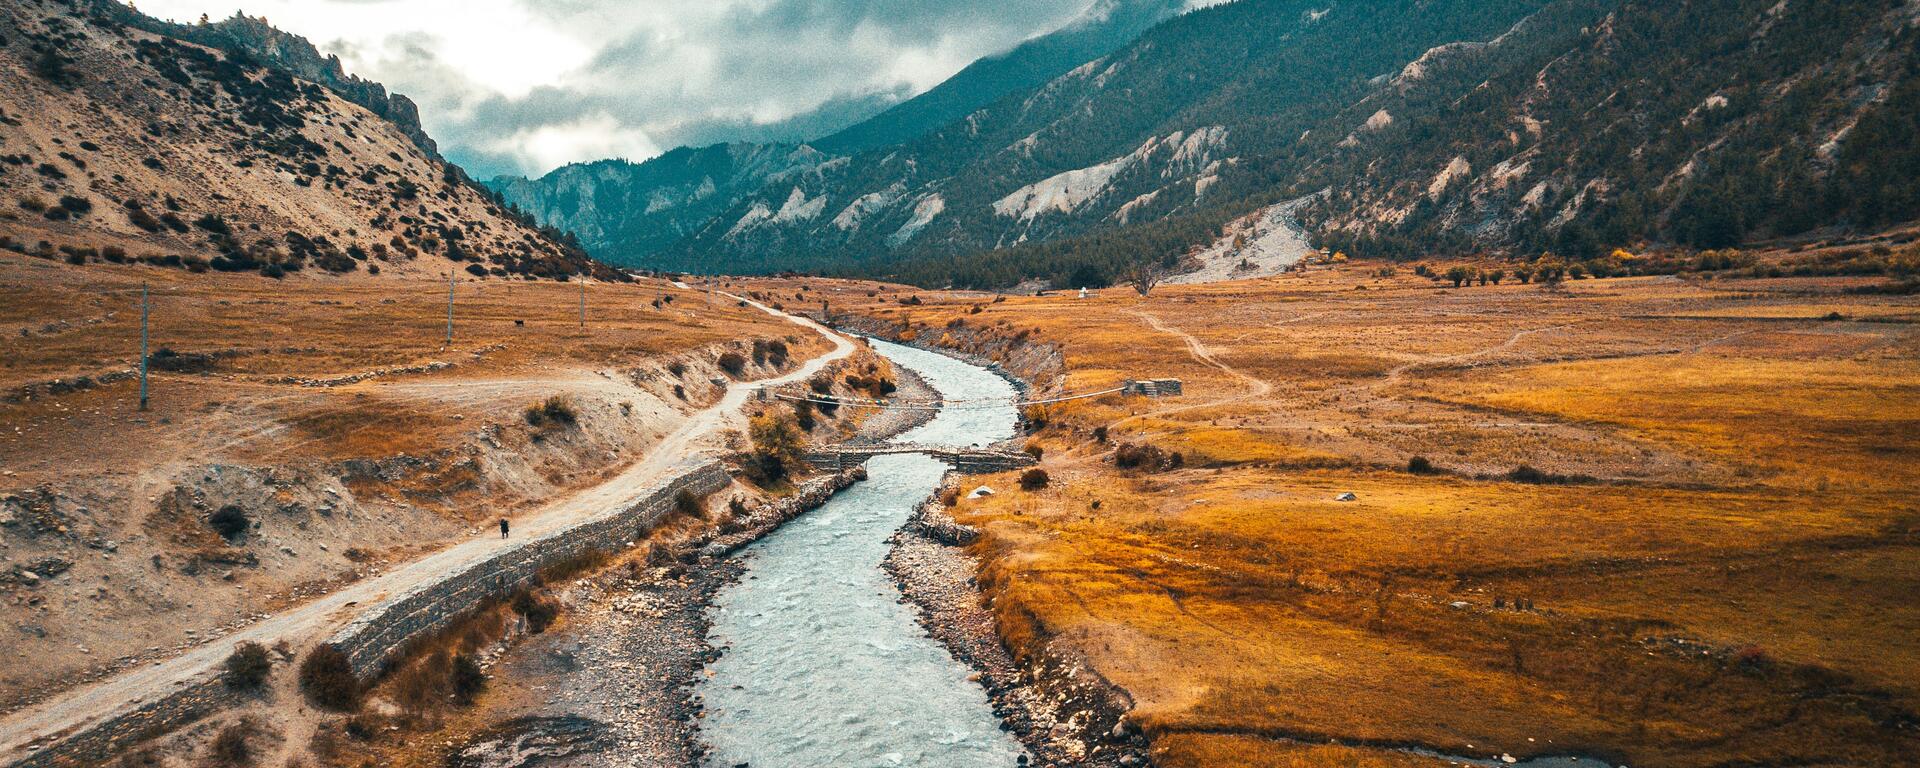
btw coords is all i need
(62, 322)
(1728, 579)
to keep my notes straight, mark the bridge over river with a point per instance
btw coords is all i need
(967, 461)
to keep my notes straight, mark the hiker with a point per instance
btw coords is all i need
(503, 527)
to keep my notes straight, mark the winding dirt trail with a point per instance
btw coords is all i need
(1256, 386)
(77, 709)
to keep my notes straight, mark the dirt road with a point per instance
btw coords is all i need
(82, 707)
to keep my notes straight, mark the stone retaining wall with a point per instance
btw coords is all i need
(200, 696)
(370, 640)
(383, 629)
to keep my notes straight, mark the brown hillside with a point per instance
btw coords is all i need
(125, 146)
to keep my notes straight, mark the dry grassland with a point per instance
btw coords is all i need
(1719, 567)
(317, 368)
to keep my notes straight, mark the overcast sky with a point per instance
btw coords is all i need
(523, 86)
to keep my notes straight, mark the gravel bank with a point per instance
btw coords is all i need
(1063, 714)
(611, 684)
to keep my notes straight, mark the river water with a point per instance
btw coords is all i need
(824, 665)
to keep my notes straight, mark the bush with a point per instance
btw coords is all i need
(685, 503)
(1145, 456)
(1034, 479)
(230, 522)
(1035, 450)
(248, 667)
(467, 678)
(1100, 433)
(76, 205)
(556, 410)
(1419, 465)
(232, 747)
(803, 415)
(733, 363)
(538, 613)
(327, 679)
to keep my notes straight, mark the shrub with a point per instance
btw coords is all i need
(1148, 457)
(677, 368)
(1035, 450)
(248, 667)
(803, 415)
(733, 363)
(1419, 465)
(556, 410)
(1100, 433)
(685, 503)
(467, 679)
(538, 613)
(821, 385)
(327, 679)
(232, 747)
(230, 522)
(737, 505)
(76, 205)
(1034, 479)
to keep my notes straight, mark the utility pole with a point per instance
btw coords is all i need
(583, 304)
(143, 346)
(450, 279)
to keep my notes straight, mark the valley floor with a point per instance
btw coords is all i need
(331, 420)
(1653, 521)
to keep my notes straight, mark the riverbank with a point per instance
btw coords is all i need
(1062, 713)
(611, 684)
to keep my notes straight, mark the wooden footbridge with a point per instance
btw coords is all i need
(966, 461)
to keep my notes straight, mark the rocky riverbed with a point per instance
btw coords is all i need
(1063, 714)
(611, 684)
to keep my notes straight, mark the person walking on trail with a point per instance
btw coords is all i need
(503, 527)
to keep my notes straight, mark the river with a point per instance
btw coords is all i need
(824, 665)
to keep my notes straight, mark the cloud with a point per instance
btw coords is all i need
(522, 86)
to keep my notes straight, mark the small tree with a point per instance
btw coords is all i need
(1458, 275)
(1497, 275)
(1143, 277)
(1034, 479)
(778, 447)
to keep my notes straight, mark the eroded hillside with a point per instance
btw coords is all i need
(120, 145)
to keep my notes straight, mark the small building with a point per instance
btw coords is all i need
(1152, 387)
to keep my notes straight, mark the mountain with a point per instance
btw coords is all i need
(1107, 25)
(626, 212)
(1439, 126)
(232, 147)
